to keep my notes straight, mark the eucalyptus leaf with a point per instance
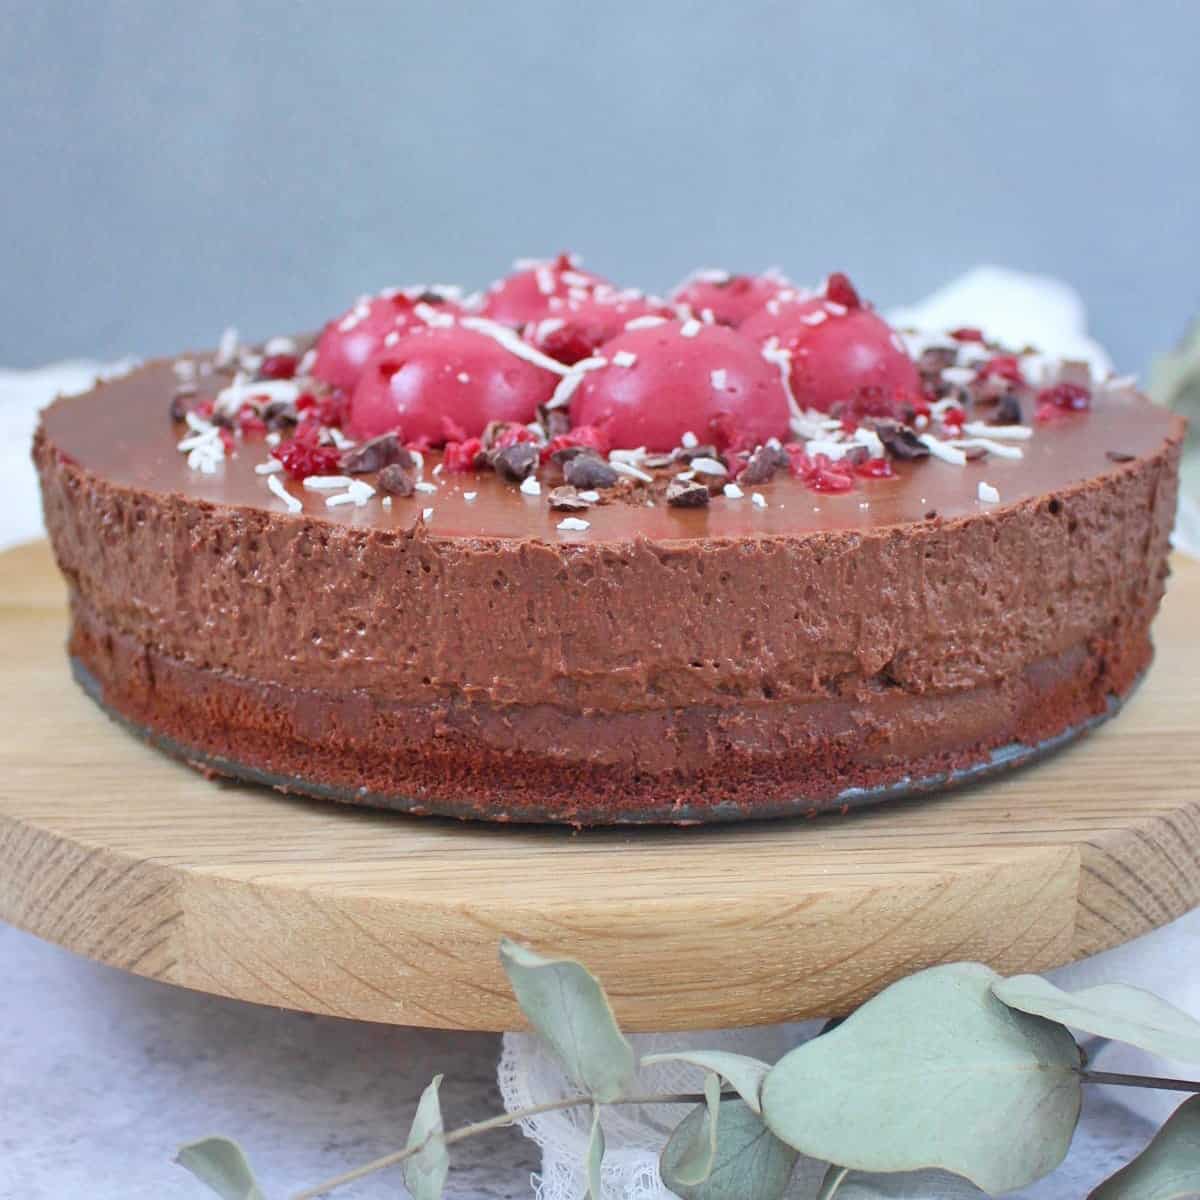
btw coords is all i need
(933, 1072)
(595, 1156)
(566, 1005)
(830, 1185)
(1168, 1169)
(425, 1173)
(696, 1142)
(1111, 1010)
(750, 1163)
(743, 1073)
(222, 1165)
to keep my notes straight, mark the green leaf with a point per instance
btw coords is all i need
(1168, 1169)
(834, 1178)
(742, 1073)
(933, 1072)
(595, 1156)
(222, 1165)
(750, 1163)
(1111, 1010)
(696, 1141)
(425, 1173)
(568, 1007)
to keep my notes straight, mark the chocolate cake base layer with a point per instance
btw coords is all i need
(454, 759)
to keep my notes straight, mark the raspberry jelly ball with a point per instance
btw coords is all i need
(348, 341)
(661, 383)
(527, 294)
(442, 384)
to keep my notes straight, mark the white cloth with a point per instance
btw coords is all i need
(103, 1075)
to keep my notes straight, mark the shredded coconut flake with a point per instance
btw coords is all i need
(690, 328)
(469, 496)
(327, 483)
(626, 468)
(756, 498)
(271, 467)
(514, 345)
(227, 347)
(647, 322)
(426, 513)
(987, 493)
(719, 378)
(530, 486)
(623, 358)
(425, 486)
(1004, 433)
(293, 505)
(942, 450)
(573, 525)
(999, 449)
(733, 491)
(689, 441)
(708, 466)
(590, 496)
(230, 399)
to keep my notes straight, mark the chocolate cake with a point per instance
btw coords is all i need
(566, 552)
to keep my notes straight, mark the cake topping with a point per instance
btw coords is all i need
(669, 390)
(609, 396)
(348, 341)
(529, 293)
(580, 325)
(847, 362)
(415, 387)
(729, 299)
(687, 493)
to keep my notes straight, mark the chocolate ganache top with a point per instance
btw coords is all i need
(596, 416)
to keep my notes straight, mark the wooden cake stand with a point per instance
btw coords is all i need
(116, 852)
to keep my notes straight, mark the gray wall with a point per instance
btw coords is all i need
(171, 167)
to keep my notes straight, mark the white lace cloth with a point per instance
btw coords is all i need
(1116, 1122)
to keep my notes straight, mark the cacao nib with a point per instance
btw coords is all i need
(587, 471)
(686, 493)
(279, 414)
(900, 441)
(517, 461)
(398, 480)
(376, 454)
(1119, 456)
(567, 499)
(554, 421)
(762, 464)
(1008, 410)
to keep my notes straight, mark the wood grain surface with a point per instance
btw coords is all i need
(112, 850)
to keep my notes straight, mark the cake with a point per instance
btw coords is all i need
(568, 552)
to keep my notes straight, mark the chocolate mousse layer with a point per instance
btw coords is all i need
(461, 651)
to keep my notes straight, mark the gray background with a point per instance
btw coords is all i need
(171, 167)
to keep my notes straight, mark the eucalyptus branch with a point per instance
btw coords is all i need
(1141, 1081)
(499, 1122)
